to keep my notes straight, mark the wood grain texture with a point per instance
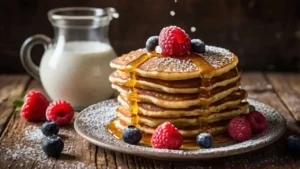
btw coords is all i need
(287, 86)
(11, 87)
(20, 143)
(264, 33)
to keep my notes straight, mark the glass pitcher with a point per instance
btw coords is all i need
(75, 64)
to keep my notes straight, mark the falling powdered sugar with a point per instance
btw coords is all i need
(172, 13)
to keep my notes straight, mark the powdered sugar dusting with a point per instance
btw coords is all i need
(27, 150)
(92, 123)
(217, 57)
(169, 64)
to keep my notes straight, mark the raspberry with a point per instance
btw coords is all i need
(239, 129)
(174, 41)
(34, 106)
(166, 136)
(257, 121)
(60, 111)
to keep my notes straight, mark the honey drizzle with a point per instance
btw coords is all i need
(132, 95)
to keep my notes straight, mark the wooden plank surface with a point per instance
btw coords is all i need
(287, 85)
(20, 142)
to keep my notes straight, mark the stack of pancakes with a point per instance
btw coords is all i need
(195, 92)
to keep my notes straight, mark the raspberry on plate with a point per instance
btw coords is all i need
(60, 111)
(174, 41)
(166, 136)
(257, 121)
(239, 129)
(34, 106)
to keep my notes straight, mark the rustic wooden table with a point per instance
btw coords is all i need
(20, 140)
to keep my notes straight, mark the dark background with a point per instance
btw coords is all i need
(263, 33)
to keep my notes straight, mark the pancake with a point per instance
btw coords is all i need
(186, 133)
(195, 92)
(125, 115)
(214, 62)
(175, 100)
(175, 86)
(152, 110)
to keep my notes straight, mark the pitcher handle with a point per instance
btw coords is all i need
(25, 53)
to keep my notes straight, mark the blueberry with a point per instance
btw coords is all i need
(50, 128)
(131, 135)
(204, 140)
(151, 43)
(52, 146)
(293, 143)
(197, 46)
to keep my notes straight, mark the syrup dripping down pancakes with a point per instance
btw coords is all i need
(196, 92)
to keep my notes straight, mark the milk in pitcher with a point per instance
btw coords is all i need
(78, 72)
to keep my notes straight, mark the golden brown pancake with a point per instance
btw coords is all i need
(214, 62)
(176, 100)
(186, 133)
(175, 86)
(152, 110)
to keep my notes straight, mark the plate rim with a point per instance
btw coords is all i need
(166, 155)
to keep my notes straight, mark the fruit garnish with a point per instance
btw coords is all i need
(257, 122)
(166, 136)
(204, 140)
(52, 145)
(60, 111)
(197, 46)
(50, 128)
(293, 143)
(131, 135)
(239, 129)
(251, 108)
(151, 43)
(33, 107)
(174, 41)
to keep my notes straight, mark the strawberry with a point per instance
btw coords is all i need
(34, 106)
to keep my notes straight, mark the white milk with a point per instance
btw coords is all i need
(78, 72)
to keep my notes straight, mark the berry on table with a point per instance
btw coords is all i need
(293, 143)
(174, 41)
(239, 129)
(34, 106)
(50, 128)
(204, 140)
(52, 145)
(197, 46)
(151, 43)
(131, 135)
(166, 136)
(257, 122)
(60, 111)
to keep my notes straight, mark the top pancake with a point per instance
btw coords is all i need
(215, 61)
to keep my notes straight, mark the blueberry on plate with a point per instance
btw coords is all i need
(204, 140)
(293, 143)
(151, 43)
(50, 128)
(52, 145)
(131, 135)
(197, 45)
